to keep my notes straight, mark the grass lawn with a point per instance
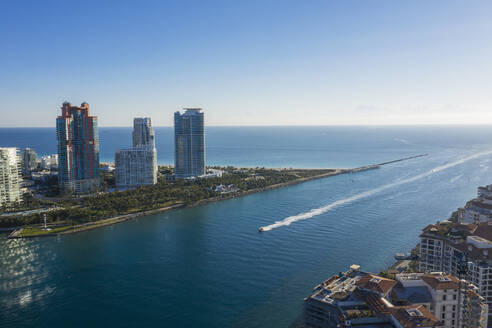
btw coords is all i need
(29, 232)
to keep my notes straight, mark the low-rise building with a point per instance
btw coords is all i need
(107, 167)
(226, 189)
(43, 175)
(361, 299)
(49, 162)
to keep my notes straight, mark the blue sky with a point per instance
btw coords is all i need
(248, 62)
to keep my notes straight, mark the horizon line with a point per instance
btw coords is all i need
(278, 125)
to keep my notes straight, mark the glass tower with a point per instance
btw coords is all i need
(137, 166)
(189, 143)
(143, 133)
(78, 149)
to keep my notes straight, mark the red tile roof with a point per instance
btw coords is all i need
(412, 316)
(376, 283)
(441, 281)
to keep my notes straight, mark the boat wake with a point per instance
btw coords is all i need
(318, 211)
(456, 178)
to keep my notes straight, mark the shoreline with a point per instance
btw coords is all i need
(122, 218)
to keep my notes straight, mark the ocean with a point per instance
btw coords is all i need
(208, 266)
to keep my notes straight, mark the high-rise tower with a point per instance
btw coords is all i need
(29, 160)
(78, 149)
(137, 166)
(189, 143)
(143, 133)
(10, 177)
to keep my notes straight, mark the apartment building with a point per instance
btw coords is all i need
(10, 176)
(29, 160)
(479, 209)
(78, 150)
(137, 166)
(189, 143)
(356, 299)
(461, 250)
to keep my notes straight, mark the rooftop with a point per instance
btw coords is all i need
(414, 294)
(376, 283)
(479, 204)
(414, 316)
(440, 281)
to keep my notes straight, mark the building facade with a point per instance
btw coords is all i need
(143, 133)
(359, 299)
(10, 177)
(29, 160)
(461, 250)
(137, 166)
(189, 143)
(78, 150)
(49, 162)
(479, 209)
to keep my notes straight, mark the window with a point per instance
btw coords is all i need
(444, 308)
(443, 315)
(454, 296)
(443, 297)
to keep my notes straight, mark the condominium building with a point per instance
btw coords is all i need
(78, 149)
(10, 177)
(461, 250)
(29, 160)
(143, 133)
(361, 299)
(189, 143)
(479, 209)
(137, 166)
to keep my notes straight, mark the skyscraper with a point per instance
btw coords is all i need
(78, 149)
(137, 166)
(29, 160)
(10, 177)
(189, 143)
(143, 133)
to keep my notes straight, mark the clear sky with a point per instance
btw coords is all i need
(248, 62)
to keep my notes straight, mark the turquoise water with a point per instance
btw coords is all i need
(209, 267)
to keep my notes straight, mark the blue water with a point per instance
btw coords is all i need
(208, 266)
(278, 146)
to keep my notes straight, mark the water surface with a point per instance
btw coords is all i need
(208, 266)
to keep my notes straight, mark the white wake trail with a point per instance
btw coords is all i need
(456, 178)
(318, 211)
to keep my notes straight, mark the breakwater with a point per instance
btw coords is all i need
(318, 211)
(376, 166)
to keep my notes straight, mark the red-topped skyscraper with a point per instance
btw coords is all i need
(78, 149)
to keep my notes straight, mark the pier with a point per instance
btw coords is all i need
(377, 166)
